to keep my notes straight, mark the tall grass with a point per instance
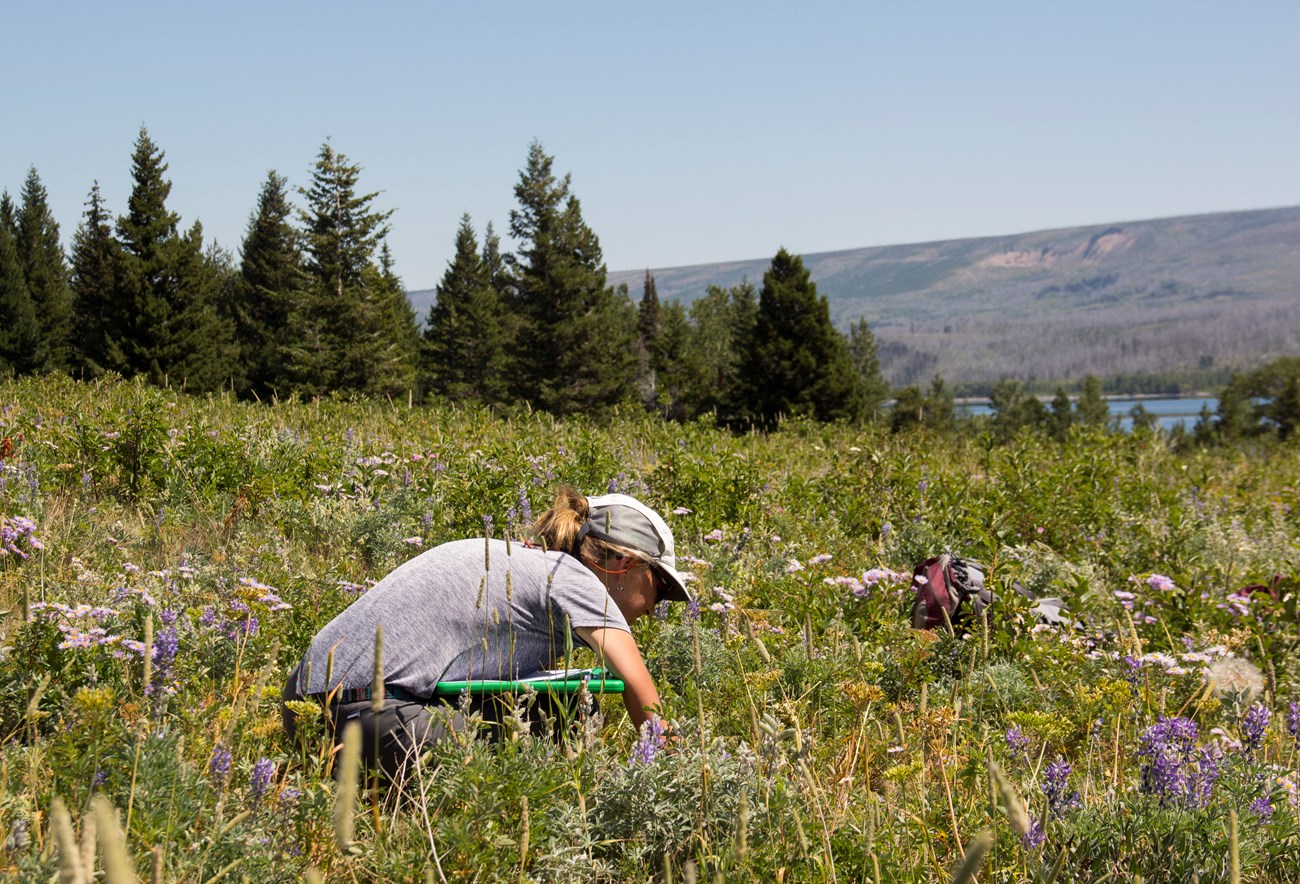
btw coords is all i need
(171, 557)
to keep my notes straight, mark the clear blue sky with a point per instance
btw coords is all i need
(694, 131)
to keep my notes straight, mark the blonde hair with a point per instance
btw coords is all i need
(560, 528)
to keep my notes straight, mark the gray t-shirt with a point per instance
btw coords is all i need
(466, 609)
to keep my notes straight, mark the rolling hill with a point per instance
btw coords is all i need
(1141, 298)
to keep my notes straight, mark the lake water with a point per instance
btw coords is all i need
(1168, 412)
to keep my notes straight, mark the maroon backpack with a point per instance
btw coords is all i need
(947, 583)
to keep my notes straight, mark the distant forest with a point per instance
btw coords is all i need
(312, 307)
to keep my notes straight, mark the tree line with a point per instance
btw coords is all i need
(312, 307)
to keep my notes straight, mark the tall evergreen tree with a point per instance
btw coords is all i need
(21, 341)
(350, 333)
(647, 341)
(271, 280)
(1062, 417)
(1091, 409)
(866, 359)
(1014, 409)
(94, 286)
(165, 302)
(575, 347)
(722, 326)
(45, 272)
(797, 363)
(394, 372)
(464, 335)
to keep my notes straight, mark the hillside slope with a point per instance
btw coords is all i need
(1133, 298)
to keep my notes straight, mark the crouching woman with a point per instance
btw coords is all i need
(487, 609)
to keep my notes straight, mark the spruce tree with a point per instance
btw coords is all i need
(1091, 409)
(21, 342)
(164, 305)
(94, 285)
(722, 326)
(464, 350)
(350, 333)
(866, 359)
(1062, 415)
(45, 273)
(797, 363)
(271, 280)
(677, 371)
(575, 346)
(395, 357)
(647, 340)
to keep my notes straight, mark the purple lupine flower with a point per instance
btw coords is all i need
(1293, 723)
(165, 645)
(260, 781)
(219, 765)
(1056, 778)
(1176, 770)
(1035, 837)
(487, 525)
(661, 610)
(647, 745)
(1017, 742)
(208, 617)
(1254, 727)
(1261, 808)
(693, 609)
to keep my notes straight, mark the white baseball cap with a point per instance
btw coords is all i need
(626, 521)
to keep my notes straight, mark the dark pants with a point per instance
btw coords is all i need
(391, 740)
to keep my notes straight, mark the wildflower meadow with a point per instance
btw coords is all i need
(165, 559)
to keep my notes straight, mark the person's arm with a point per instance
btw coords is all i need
(617, 650)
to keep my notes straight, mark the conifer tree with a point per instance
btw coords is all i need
(45, 273)
(722, 326)
(20, 331)
(575, 346)
(394, 370)
(164, 305)
(1014, 409)
(797, 363)
(677, 371)
(350, 333)
(464, 352)
(866, 359)
(1091, 410)
(94, 284)
(271, 280)
(649, 359)
(1062, 414)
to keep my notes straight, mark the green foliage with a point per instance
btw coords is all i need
(21, 343)
(353, 331)
(464, 349)
(95, 268)
(45, 273)
(271, 281)
(796, 363)
(856, 746)
(575, 338)
(161, 318)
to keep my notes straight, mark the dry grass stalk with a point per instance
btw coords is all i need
(377, 685)
(71, 870)
(88, 845)
(976, 850)
(1016, 812)
(345, 799)
(118, 868)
